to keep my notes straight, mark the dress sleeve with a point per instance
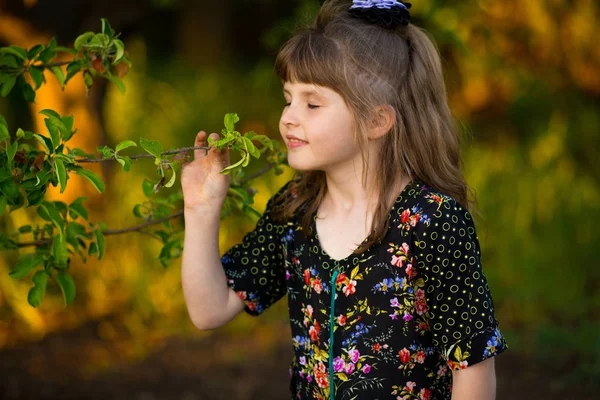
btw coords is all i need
(255, 267)
(460, 310)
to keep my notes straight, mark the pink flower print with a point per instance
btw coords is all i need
(354, 354)
(410, 386)
(414, 219)
(394, 302)
(316, 284)
(405, 216)
(366, 369)
(309, 310)
(309, 378)
(302, 360)
(410, 271)
(397, 261)
(420, 357)
(307, 276)
(442, 370)
(338, 364)
(305, 321)
(341, 279)
(350, 288)
(349, 368)
(405, 248)
(394, 316)
(287, 275)
(420, 302)
(404, 355)
(424, 394)
(407, 317)
(341, 320)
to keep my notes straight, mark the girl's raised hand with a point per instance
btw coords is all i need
(204, 187)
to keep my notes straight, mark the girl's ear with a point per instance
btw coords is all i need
(383, 119)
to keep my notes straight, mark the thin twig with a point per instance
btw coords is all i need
(112, 232)
(176, 151)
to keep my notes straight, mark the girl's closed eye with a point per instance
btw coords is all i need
(311, 106)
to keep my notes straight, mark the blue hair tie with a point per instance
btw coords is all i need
(388, 14)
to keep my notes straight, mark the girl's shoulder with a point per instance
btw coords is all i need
(420, 202)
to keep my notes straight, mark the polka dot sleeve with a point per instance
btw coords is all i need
(255, 268)
(460, 308)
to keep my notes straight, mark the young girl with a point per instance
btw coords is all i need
(372, 241)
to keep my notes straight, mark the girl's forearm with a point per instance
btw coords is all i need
(210, 302)
(477, 382)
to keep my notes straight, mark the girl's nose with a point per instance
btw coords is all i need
(289, 117)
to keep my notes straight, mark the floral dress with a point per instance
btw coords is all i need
(404, 314)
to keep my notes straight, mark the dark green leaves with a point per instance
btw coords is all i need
(25, 264)
(67, 287)
(37, 292)
(93, 178)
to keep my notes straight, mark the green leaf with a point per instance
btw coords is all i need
(106, 29)
(11, 151)
(251, 148)
(136, 211)
(37, 75)
(152, 146)
(53, 214)
(10, 60)
(25, 264)
(83, 39)
(61, 173)
(3, 129)
(50, 113)
(125, 144)
(230, 121)
(59, 249)
(173, 177)
(72, 70)
(53, 130)
(9, 188)
(67, 286)
(28, 93)
(100, 241)
(17, 51)
(46, 142)
(60, 75)
(76, 209)
(125, 162)
(25, 229)
(34, 51)
(93, 178)
(148, 188)
(38, 291)
(7, 85)
(120, 50)
(47, 54)
(3, 203)
(230, 168)
(65, 50)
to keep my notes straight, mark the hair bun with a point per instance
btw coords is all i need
(388, 14)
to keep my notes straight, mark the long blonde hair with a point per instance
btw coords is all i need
(368, 66)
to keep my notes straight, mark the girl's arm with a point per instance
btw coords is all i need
(477, 382)
(209, 300)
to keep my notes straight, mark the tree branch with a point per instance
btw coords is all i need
(176, 151)
(111, 232)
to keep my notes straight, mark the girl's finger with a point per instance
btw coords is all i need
(200, 141)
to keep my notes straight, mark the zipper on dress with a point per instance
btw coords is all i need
(331, 328)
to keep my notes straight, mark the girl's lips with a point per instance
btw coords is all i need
(294, 143)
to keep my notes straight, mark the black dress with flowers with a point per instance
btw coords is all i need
(405, 313)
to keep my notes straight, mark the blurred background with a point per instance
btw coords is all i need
(523, 80)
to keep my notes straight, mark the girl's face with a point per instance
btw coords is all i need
(317, 128)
